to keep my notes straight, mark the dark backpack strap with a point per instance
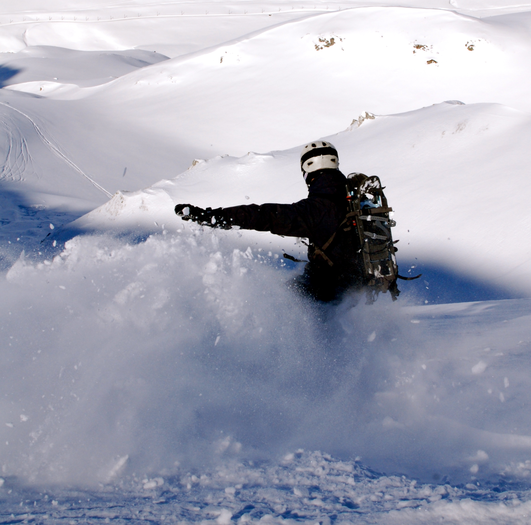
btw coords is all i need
(409, 278)
(321, 251)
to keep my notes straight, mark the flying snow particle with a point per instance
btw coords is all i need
(389, 422)
(117, 467)
(224, 517)
(479, 368)
(502, 397)
(153, 483)
(480, 457)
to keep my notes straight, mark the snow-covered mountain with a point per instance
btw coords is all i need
(169, 363)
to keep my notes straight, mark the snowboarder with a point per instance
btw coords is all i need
(331, 269)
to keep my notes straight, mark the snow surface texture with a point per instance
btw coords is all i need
(155, 370)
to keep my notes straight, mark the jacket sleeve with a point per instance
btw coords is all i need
(295, 220)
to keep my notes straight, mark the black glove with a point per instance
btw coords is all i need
(209, 217)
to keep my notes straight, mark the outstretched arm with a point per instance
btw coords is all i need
(295, 220)
(282, 219)
(312, 217)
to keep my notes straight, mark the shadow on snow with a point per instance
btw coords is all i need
(26, 226)
(7, 73)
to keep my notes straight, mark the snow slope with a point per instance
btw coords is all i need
(325, 61)
(155, 370)
(247, 84)
(465, 155)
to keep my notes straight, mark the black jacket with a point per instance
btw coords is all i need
(317, 218)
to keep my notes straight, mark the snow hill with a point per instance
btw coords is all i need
(145, 360)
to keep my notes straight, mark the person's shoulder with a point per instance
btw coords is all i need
(333, 173)
(331, 177)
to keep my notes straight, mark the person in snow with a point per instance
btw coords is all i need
(331, 269)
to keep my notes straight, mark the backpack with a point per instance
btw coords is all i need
(367, 225)
(370, 225)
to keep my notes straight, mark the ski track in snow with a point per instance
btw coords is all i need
(16, 161)
(54, 149)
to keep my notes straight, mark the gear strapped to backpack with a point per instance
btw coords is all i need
(368, 219)
(368, 225)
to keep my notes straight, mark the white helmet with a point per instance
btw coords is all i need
(319, 155)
